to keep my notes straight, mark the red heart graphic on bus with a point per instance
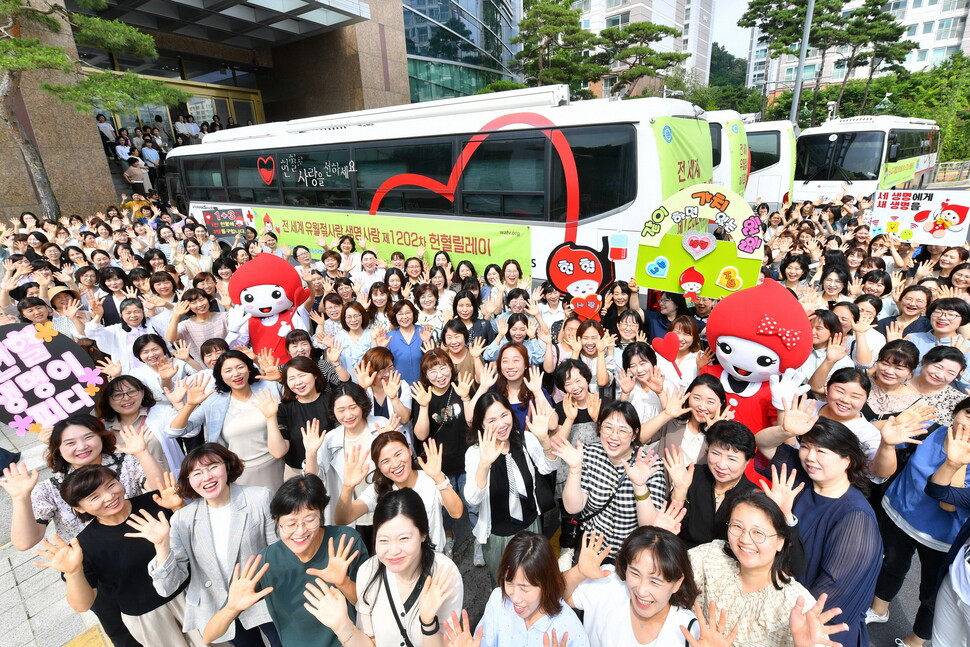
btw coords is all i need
(667, 346)
(267, 169)
(558, 140)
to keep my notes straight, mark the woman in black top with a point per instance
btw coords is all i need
(705, 488)
(304, 400)
(108, 559)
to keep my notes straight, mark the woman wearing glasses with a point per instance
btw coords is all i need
(222, 525)
(750, 575)
(946, 317)
(670, 306)
(306, 549)
(939, 368)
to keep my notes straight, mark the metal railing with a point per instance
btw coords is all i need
(952, 172)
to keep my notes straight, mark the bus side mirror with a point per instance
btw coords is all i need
(893, 152)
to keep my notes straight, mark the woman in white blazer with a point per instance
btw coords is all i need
(223, 525)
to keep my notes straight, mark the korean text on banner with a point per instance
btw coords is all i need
(480, 243)
(922, 217)
(684, 153)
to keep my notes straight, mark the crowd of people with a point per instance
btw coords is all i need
(141, 154)
(216, 496)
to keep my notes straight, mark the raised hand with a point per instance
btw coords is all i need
(355, 467)
(420, 394)
(365, 374)
(242, 588)
(591, 556)
(714, 630)
(133, 440)
(957, 444)
(798, 416)
(836, 349)
(166, 368)
(392, 384)
(645, 466)
(782, 489)
(670, 516)
(477, 347)
(392, 424)
(312, 437)
(488, 445)
(155, 530)
(196, 392)
(338, 562)
(810, 628)
(180, 349)
(894, 331)
(436, 590)
(269, 368)
(176, 394)
(464, 385)
(593, 404)
(488, 378)
(538, 418)
(18, 481)
(563, 449)
(431, 464)
(110, 368)
(550, 639)
(458, 631)
(60, 555)
(679, 470)
(334, 352)
(168, 496)
(672, 401)
(326, 603)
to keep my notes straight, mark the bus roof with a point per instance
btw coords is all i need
(447, 116)
(878, 122)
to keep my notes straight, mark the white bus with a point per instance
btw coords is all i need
(772, 148)
(489, 177)
(866, 154)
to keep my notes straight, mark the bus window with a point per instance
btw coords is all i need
(765, 149)
(716, 143)
(606, 164)
(202, 172)
(506, 178)
(241, 171)
(317, 178)
(840, 157)
(377, 164)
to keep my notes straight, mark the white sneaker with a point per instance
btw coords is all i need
(478, 559)
(565, 559)
(449, 546)
(873, 618)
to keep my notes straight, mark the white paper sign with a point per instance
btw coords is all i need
(922, 217)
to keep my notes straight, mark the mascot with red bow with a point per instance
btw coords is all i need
(760, 336)
(270, 296)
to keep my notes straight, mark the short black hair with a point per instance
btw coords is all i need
(733, 435)
(306, 491)
(220, 384)
(564, 369)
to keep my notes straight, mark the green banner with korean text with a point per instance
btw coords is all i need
(479, 242)
(738, 148)
(900, 172)
(684, 153)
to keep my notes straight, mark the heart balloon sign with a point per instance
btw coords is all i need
(701, 241)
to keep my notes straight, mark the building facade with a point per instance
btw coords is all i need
(692, 17)
(457, 47)
(937, 26)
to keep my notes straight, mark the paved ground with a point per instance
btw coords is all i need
(34, 613)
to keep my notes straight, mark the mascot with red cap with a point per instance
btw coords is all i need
(270, 296)
(760, 336)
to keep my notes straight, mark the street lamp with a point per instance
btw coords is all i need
(671, 93)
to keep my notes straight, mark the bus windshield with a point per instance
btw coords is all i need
(841, 157)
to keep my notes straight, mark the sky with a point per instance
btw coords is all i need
(728, 34)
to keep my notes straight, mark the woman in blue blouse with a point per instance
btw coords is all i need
(914, 522)
(405, 339)
(843, 549)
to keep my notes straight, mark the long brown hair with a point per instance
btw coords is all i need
(524, 395)
(383, 484)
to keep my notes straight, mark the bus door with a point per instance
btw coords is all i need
(772, 146)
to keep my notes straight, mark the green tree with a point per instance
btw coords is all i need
(501, 86)
(887, 53)
(556, 49)
(116, 92)
(726, 68)
(631, 45)
(941, 93)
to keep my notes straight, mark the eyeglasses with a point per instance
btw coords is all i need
(118, 396)
(618, 432)
(438, 370)
(946, 314)
(291, 527)
(205, 470)
(665, 300)
(757, 536)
